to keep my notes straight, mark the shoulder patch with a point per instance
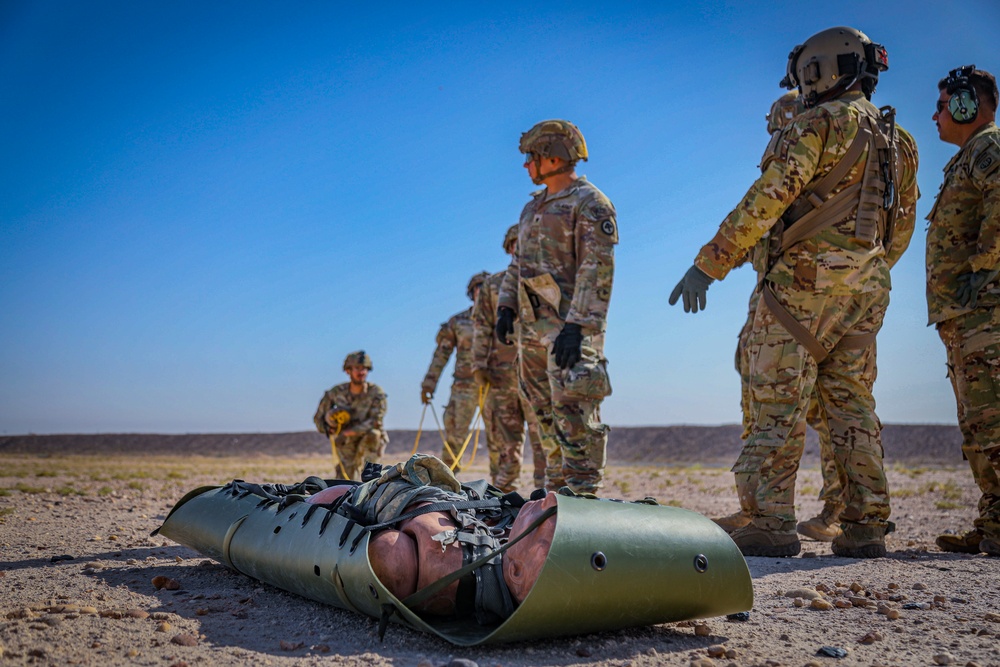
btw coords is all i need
(608, 227)
(987, 162)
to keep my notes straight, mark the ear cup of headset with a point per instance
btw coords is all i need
(963, 105)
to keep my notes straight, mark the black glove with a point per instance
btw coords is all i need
(505, 324)
(694, 287)
(566, 349)
(969, 285)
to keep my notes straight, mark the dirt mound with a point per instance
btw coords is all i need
(709, 445)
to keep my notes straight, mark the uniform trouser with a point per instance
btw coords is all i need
(572, 435)
(972, 342)
(539, 459)
(783, 377)
(833, 476)
(354, 450)
(458, 416)
(504, 424)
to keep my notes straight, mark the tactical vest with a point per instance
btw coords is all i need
(876, 202)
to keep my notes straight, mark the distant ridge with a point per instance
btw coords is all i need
(910, 444)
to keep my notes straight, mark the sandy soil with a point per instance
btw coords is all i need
(77, 571)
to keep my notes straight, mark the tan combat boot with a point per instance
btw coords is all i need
(754, 541)
(733, 521)
(860, 541)
(966, 543)
(823, 527)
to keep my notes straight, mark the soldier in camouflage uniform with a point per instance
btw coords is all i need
(455, 334)
(963, 292)
(359, 436)
(505, 411)
(826, 525)
(558, 287)
(837, 212)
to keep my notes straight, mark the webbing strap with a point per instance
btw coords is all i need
(445, 506)
(792, 325)
(822, 217)
(854, 341)
(815, 196)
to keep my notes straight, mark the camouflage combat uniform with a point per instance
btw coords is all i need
(505, 410)
(964, 236)
(834, 285)
(367, 411)
(455, 334)
(562, 273)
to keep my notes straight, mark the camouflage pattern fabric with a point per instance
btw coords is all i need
(972, 342)
(964, 236)
(458, 415)
(455, 334)
(563, 272)
(834, 285)
(783, 379)
(503, 413)
(367, 411)
(832, 261)
(833, 475)
(964, 230)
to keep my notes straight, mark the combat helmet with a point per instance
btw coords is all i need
(475, 282)
(555, 138)
(833, 60)
(359, 358)
(510, 236)
(783, 111)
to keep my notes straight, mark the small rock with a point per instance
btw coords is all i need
(820, 604)
(132, 653)
(291, 646)
(160, 616)
(131, 561)
(701, 662)
(320, 648)
(856, 587)
(93, 565)
(716, 651)
(462, 662)
(731, 653)
(57, 559)
(702, 630)
(919, 586)
(137, 613)
(112, 613)
(164, 626)
(871, 638)
(184, 639)
(178, 559)
(893, 586)
(799, 602)
(805, 593)
(992, 616)
(943, 659)
(809, 554)
(842, 604)
(738, 617)
(892, 614)
(832, 652)
(822, 588)
(160, 582)
(584, 652)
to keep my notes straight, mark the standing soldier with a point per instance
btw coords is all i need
(836, 197)
(558, 285)
(963, 293)
(455, 334)
(351, 415)
(495, 367)
(826, 525)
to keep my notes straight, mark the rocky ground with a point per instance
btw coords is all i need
(82, 583)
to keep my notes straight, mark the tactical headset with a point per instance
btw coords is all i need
(963, 105)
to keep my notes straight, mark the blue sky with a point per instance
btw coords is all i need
(205, 206)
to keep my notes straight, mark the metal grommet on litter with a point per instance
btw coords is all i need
(700, 563)
(371, 589)
(598, 560)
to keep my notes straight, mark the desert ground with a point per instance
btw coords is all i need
(79, 576)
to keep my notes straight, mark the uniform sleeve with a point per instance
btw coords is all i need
(483, 320)
(986, 176)
(447, 340)
(374, 416)
(595, 236)
(909, 193)
(320, 417)
(802, 145)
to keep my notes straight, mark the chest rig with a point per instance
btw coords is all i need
(876, 202)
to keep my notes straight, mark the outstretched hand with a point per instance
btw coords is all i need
(694, 287)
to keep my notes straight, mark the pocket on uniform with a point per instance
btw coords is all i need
(776, 365)
(585, 381)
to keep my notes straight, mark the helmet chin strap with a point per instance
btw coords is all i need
(540, 177)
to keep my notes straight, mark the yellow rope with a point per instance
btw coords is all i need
(341, 418)
(483, 390)
(444, 440)
(476, 425)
